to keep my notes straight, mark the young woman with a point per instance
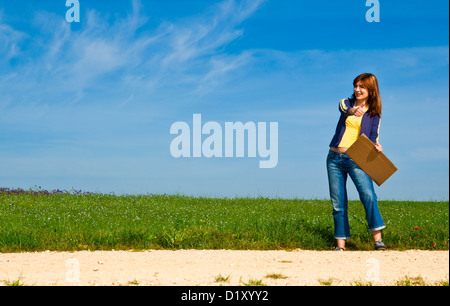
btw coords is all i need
(360, 114)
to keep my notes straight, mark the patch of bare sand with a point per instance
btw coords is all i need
(203, 267)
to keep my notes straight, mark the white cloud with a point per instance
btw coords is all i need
(9, 42)
(125, 54)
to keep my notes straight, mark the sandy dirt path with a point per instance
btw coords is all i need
(202, 267)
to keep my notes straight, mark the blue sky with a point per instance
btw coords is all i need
(89, 105)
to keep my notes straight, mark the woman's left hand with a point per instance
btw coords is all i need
(378, 148)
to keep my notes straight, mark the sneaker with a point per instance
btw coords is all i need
(339, 249)
(379, 245)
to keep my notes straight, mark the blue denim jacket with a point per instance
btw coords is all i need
(370, 126)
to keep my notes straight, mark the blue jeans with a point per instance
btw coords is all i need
(339, 166)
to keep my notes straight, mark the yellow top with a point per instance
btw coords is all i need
(352, 130)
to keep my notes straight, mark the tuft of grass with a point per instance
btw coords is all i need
(411, 281)
(362, 284)
(326, 282)
(276, 276)
(39, 220)
(252, 282)
(220, 278)
(133, 283)
(15, 283)
(408, 281)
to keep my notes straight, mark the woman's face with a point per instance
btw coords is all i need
(361, 92)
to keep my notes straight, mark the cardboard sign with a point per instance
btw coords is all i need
(375, 164)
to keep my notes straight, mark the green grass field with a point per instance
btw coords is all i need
(38, 220)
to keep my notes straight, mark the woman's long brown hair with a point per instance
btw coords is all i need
(370, 82)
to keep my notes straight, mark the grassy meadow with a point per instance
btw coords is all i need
(38, 220)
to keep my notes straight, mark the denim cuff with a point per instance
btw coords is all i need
(379, 228)
(341, 238)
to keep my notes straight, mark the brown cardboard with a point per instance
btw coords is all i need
(375, 164)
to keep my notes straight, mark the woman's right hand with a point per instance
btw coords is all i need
(357, 111)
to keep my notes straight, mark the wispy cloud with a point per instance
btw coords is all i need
(9, 41)
(125, 53)
(77, 90)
